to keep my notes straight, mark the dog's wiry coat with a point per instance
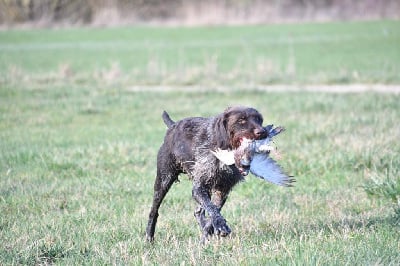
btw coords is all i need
(187, 149)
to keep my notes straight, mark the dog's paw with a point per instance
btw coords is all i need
(149, 238)
(220, 226)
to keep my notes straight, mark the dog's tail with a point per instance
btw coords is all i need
(167, 120)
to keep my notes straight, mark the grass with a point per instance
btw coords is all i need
(363, 52)
(389, 188)
(77, 167)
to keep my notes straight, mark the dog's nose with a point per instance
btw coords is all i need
(259, 132)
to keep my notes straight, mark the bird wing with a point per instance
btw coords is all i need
(225, 156)
(266, 168)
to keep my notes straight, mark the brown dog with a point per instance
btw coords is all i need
(187, 149)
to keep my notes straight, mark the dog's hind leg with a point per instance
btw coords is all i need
(161, 187)
(166, 176)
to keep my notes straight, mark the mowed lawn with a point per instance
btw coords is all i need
(78, 146)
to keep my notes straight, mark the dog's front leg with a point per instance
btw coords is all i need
(206, 226)
(201, 194)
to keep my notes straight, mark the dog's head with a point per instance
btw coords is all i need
(241, 123)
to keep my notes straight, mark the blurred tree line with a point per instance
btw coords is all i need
(50, 12)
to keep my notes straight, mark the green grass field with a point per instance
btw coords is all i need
(78, 151)
(295, 53)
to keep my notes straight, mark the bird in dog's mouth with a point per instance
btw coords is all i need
(253, 156)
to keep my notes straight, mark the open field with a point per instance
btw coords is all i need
(78, 151)
(361, 52)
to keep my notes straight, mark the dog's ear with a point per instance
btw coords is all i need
(221, 131)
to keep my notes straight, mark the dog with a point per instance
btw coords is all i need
(187, 148)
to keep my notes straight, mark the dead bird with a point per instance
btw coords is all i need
(253, 155)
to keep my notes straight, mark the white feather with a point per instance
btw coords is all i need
(266, 168)
(225, 156)
(265, 148)
(262, 145)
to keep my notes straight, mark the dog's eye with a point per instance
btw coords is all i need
(242, 121)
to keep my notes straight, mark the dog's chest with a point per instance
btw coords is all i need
(211, 171)
(227, 177)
